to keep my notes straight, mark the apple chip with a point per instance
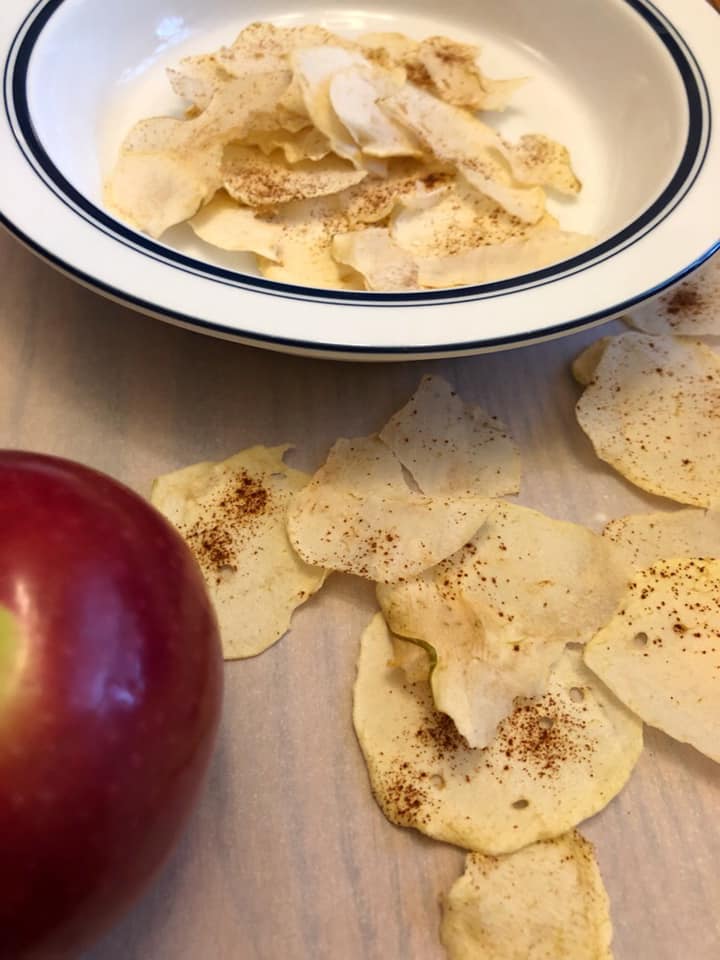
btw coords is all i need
(692, 308)
(501, 260)
(314, 68)
(546, 901)
(645, 538)
(168, 168)
(448, 68)
(257, 180)
(413, 658)
(660, 653)
(263, 46)
(585, 364)
(155, 191)
(359, 515)
(374, 254)
(457, 137)
(452, 448)
(197, 79)
(555, 761)
(498, 613)
(536, 159)
(389, 49)
(232, 516)
(354, 95)
(456, 76)
(307, 144)
(228, 226)
(448, 217)
(652, 411)
(307, 228)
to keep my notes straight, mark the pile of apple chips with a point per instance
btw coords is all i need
(348, 164)
(503, 684)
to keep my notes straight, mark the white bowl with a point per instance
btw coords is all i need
(632, 87)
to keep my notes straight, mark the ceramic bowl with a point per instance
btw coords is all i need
(630, 86)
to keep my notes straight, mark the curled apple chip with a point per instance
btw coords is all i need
(413, 658)
(555, 760)
(359, 515)
(498, 613)
(232, 516)
(307, 144)
(314, 68)
(354, 93)
(457, 137)
(692, 308)
(660, 653)
(501, 260)
(585, 364)
(652, 411)
(452, 448)
(546, 901)
(257, 180)
(645, 538)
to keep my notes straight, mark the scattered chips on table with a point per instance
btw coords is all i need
(500, 695)
(660, 653)
(359, 515)
(555, 761)
(232, 516)
(287, 115)
(450, 447)
(545, 902)
(498, 614)
(644, 538)
(692, 308)
(652, 411)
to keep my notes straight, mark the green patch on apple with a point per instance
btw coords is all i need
(10, 639)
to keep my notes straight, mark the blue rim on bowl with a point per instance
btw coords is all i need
(19, 120)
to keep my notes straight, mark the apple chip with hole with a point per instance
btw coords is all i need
(556, 759)
(498, 613)
(451, 447)
(660, 653)
(692, 308)
(546, 901)
(359, 515)
(652, 411)
(232, 515)
(645, 538)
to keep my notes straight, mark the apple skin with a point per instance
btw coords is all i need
(110, 695)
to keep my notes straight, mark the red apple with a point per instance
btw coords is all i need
(110, 689)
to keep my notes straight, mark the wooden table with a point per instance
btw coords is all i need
(287, 857)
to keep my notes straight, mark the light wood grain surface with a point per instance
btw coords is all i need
(287, 857)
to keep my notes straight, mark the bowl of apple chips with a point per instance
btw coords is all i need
(390, 185)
